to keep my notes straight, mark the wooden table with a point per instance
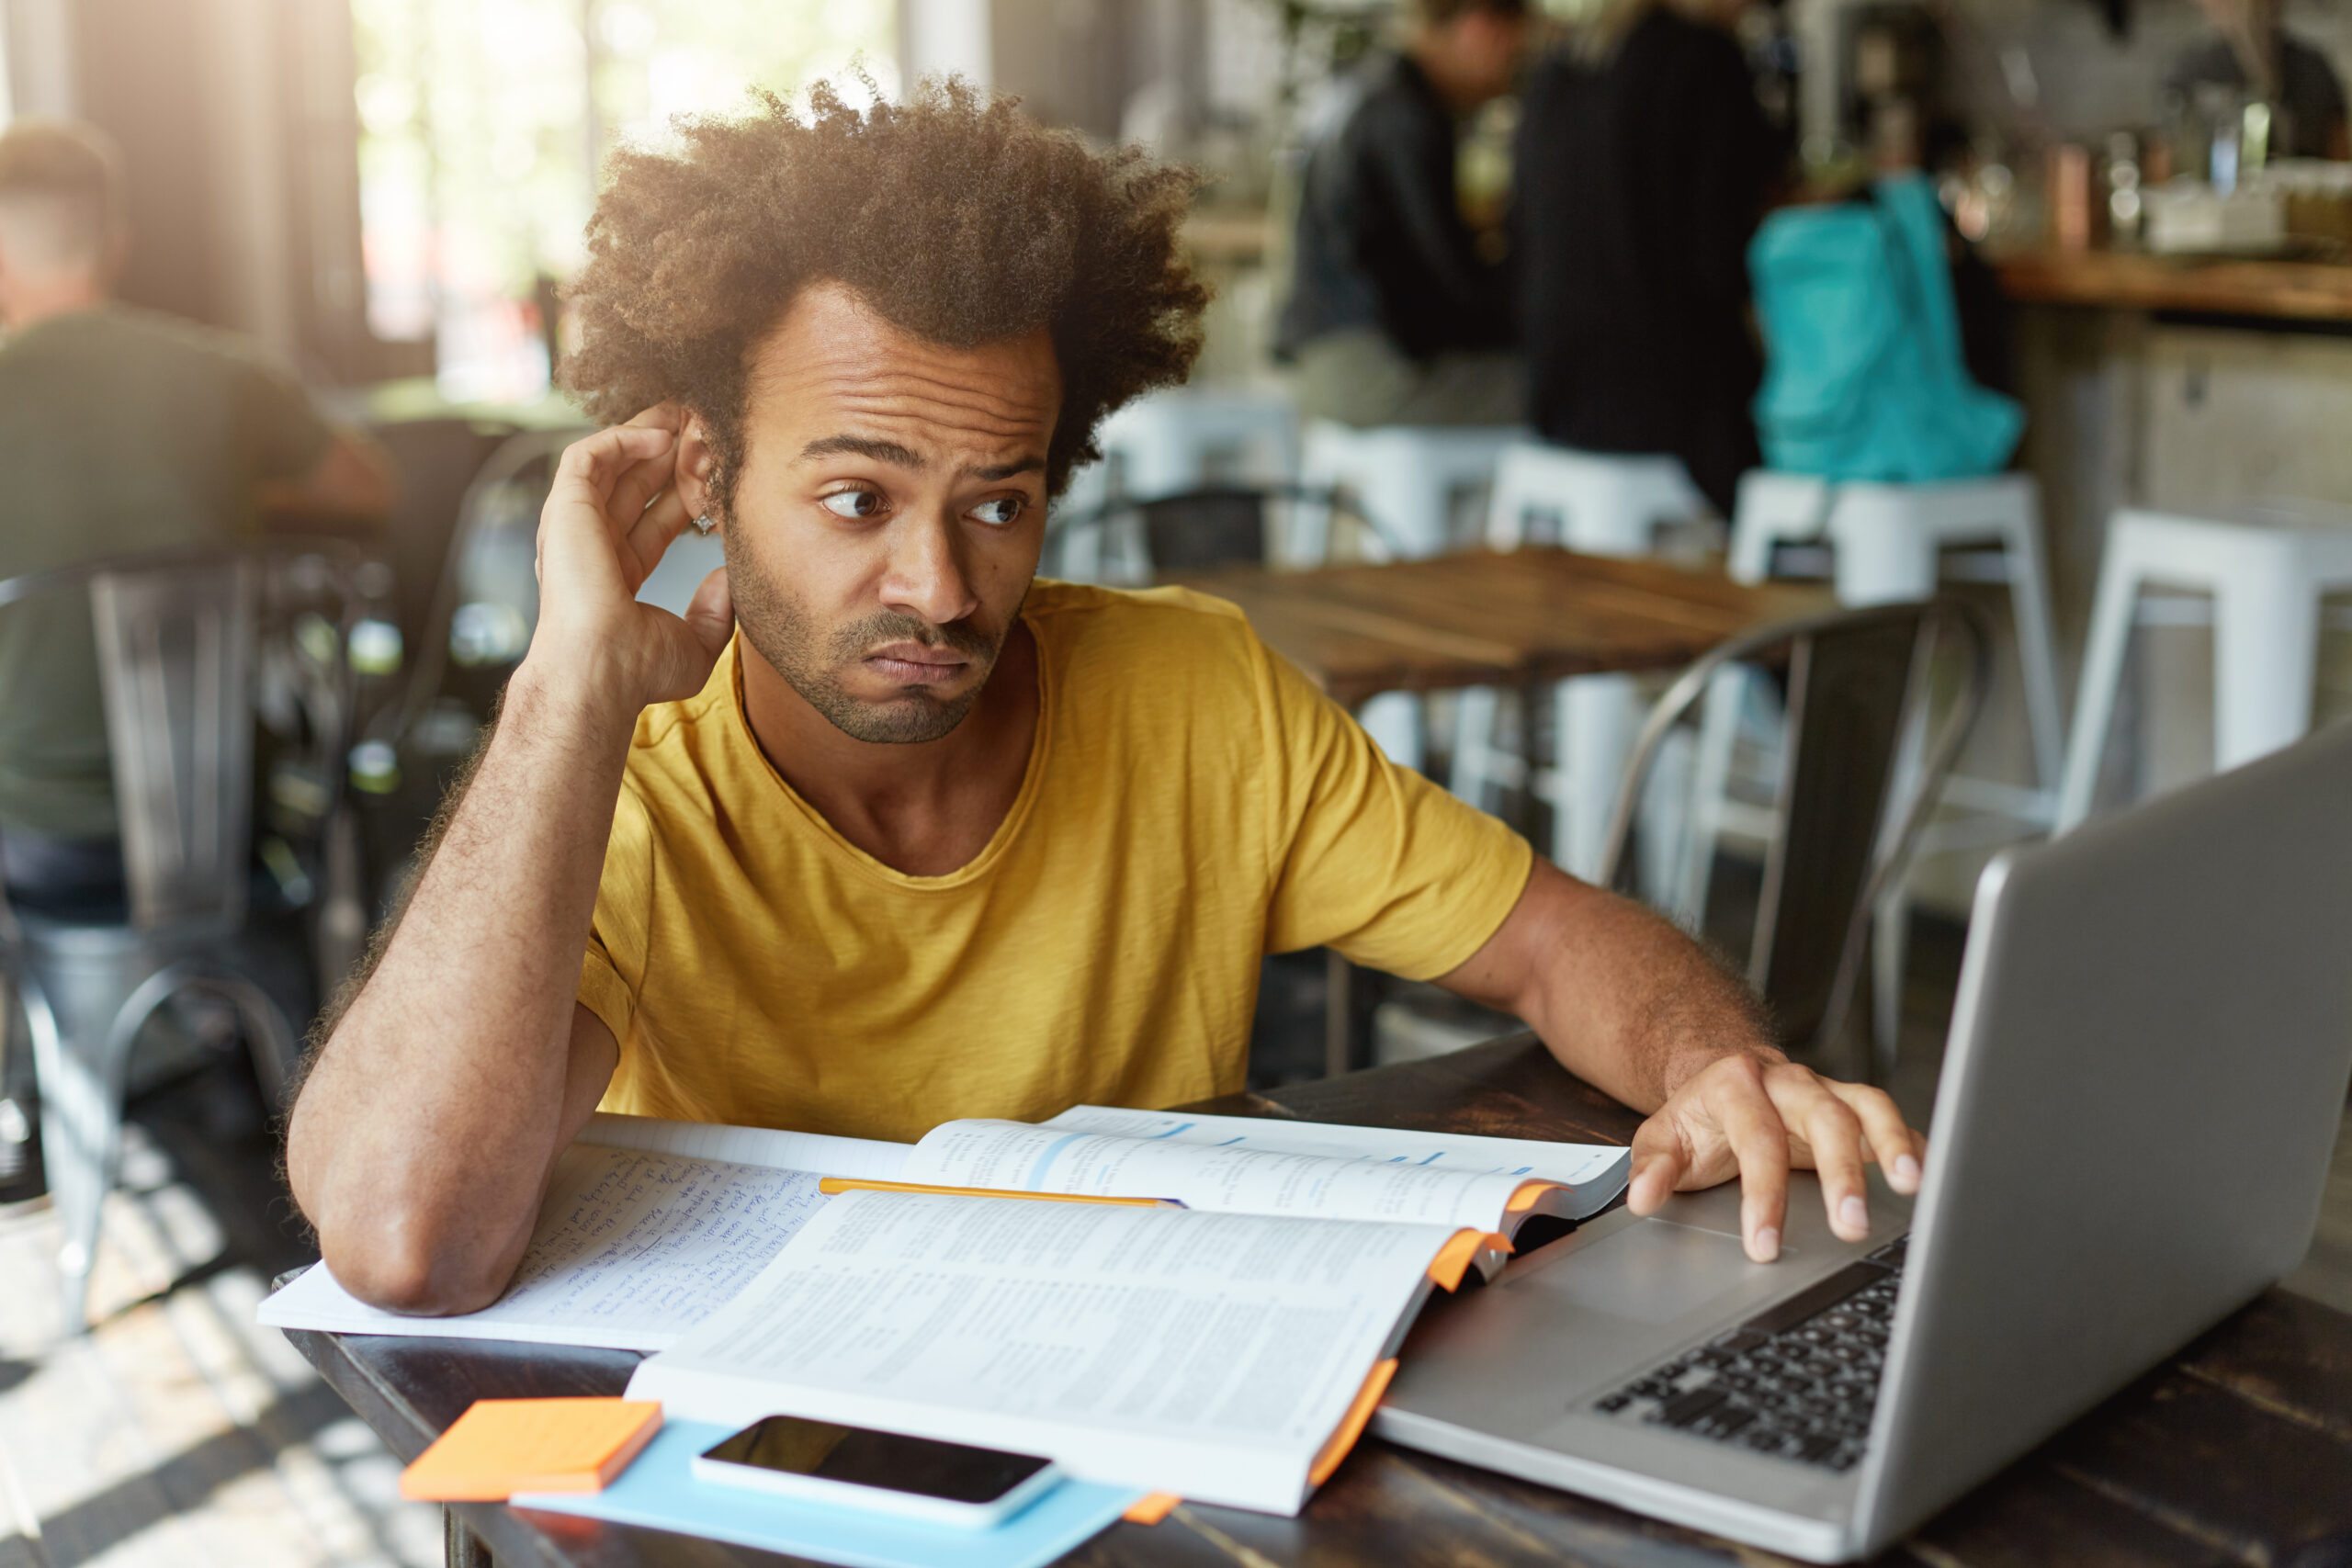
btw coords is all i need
(1488, 618)
(2237, 1449)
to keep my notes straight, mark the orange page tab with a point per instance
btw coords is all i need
(1461, 1249)
(499, 1447)
(1151, 1509)
(1343, 1436)
(1528, 1195)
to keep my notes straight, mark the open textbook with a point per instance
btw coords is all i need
(1226, 1342)
(1221, 1357)
(649, 1227)
(1227, 1339)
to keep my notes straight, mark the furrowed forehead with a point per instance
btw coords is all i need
(833, 366)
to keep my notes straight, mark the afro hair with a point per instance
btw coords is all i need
(952, 214)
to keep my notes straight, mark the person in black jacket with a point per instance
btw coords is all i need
(1394, 317)
(1641, 171)
(2252, 51)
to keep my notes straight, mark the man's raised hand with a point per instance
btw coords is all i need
(611, 513)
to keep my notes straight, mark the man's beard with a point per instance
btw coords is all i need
(784, 634)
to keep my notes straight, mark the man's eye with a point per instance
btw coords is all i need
(999, 513)
(853, 502)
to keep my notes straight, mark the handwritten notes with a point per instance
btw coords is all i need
(634, 1247)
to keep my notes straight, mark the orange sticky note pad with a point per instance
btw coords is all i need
(503, 1445)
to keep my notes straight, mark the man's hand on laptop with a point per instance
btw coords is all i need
(1754, 1114)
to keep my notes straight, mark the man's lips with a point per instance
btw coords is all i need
(916, 664)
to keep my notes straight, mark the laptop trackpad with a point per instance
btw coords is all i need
(1652, 1272)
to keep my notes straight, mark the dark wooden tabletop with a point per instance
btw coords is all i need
(1488, 619)
(2239, 1448)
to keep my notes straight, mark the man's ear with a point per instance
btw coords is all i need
(697, 463)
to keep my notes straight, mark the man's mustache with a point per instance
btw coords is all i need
(855, 640)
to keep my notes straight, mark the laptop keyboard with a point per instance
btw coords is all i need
(1797, 1381)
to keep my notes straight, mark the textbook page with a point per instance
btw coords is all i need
(634, 1247)
(1208, 1354)
(1264, 1165)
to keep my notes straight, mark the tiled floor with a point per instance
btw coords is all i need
(179, 1435)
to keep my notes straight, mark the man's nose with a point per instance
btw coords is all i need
(925, 576)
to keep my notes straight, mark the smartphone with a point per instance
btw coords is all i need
(921, 1477)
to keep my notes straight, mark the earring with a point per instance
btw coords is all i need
(702, 525)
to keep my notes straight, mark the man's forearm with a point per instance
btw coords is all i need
(1635, 1006)
(1625, 1001)
(425, 1133)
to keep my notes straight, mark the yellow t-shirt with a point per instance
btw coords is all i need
(1192, 803)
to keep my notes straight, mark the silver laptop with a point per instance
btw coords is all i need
(2147, 1068)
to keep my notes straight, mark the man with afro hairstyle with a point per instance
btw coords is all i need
(884, 831)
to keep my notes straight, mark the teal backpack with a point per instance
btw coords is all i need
(1864, 376)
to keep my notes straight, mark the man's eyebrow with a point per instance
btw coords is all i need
(862, 447)
(898, 456)
(1032, 463)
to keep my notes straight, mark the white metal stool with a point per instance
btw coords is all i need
(1173, 440)
(2267, 574)
(1403, 477)
(1889, 541)
(1605, 504)
(1177, 440)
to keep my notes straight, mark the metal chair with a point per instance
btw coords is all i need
(176, 637)
(480, 611)
(1847, 813)
(438, 460)
(506, 491)
(1136, 540)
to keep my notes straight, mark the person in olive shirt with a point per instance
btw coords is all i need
(1394, 316)
(120, 431)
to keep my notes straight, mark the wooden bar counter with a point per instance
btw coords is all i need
(2285, 292)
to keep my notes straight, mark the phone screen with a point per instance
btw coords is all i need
(861, 1457)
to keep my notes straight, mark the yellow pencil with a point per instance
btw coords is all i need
(832, 1184)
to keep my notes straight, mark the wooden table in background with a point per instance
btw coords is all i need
(2238, 1449)
(1487, 618)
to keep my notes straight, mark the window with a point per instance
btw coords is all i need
(482, 125)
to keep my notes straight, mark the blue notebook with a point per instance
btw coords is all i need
(658, 1490)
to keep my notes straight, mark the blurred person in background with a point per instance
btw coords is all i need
(1642, 168)
(2255, 54)
(121, 431)
(1394, 317)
